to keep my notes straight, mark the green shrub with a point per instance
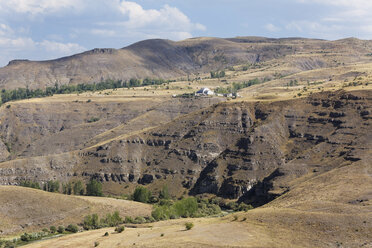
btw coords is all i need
(165, 202)
(189, 225)
(53, 229)
(9, 244)
(150, 219)
(164, 193)
(139, 220)
(141, 194)
(46, 230)
(96, 243)
(244, 207)
(93, 119)
(119, 229)
(61, 229)
(26, 237)
(91, 222)
(232, 205)
(128, 219)
(72, 228)
(163, 212)
(186, 207)
(106, 234)
(113, 219)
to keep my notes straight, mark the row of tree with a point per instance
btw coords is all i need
(92, 188)
(237, 86)
(26, 93)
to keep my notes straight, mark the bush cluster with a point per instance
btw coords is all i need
(30, 184)
(230, 205)
(184, 208)
(189, 225)
(93, 221)
(51, 186)
(217, 74)
(72, 228)
(119, 229)
(142, 194)
(29, 237)
(237, 86)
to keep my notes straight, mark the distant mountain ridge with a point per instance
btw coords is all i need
(165, 59)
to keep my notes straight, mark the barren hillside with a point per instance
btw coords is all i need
(168, 59)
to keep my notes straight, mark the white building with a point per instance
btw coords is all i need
(204, 92)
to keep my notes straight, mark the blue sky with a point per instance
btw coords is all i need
(46, 29)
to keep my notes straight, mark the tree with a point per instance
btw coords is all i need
(67, 188)
(78, 188)
(164, 193)
(141, 194)
(94, 188)
(91, 222)
(112, 219)
(186, 207)
(51, 186)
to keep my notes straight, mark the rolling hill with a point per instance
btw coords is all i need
(189, 58)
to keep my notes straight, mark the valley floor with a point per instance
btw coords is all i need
(268, 227)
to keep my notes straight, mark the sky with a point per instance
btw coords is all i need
(48, 29)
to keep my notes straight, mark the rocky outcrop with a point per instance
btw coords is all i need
(247, 151)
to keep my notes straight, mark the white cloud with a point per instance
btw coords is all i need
(272, 28)
(316, 29)
(25, 26)
(103, 32)
(137, 22)
(343, 18)
(14, 45)
(60, 48)
(35, 7)
(166, 17)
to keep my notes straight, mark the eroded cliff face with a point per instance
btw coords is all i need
(239, 150)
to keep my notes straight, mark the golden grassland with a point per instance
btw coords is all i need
(35, 209)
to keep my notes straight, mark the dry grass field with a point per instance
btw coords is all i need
(320, 212)
(25, 210)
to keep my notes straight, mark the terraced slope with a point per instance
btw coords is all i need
(245, 150)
